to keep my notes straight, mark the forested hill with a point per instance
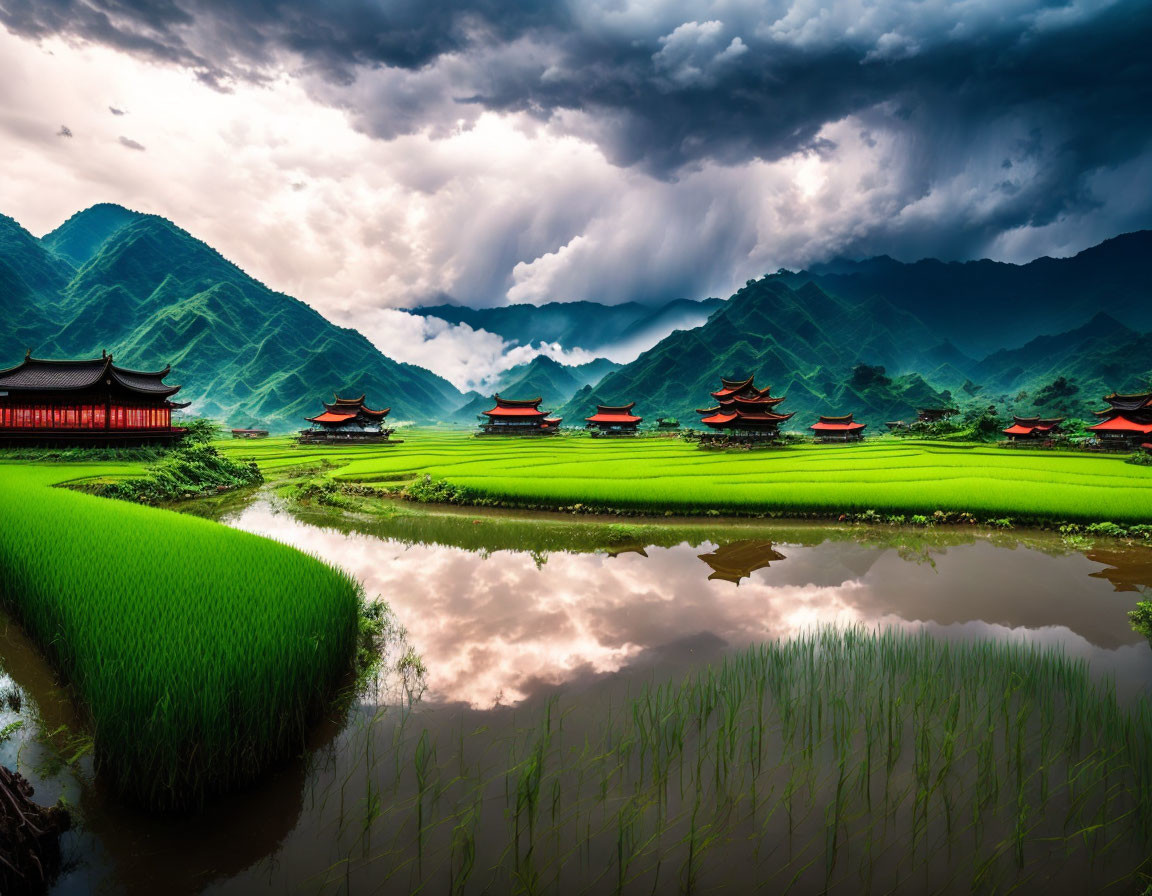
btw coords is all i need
(834, 355)
(152, 294)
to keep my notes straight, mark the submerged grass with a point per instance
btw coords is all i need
(661, 475)
(841, 761)
(198, 653)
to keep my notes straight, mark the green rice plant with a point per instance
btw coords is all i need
(199, 654)
(657, 475)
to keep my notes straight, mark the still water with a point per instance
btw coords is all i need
(499, 631)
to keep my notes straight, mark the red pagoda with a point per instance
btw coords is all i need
(86, 402)
(838, 429)
(512, 417)
(744, 412)
(346, 420)
(1025, 429)
(613, 420)
(1127, 420)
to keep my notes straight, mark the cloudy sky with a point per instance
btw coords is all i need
(384, 153)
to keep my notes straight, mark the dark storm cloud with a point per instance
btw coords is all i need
(1060, 90)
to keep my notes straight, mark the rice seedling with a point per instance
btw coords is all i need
(198, 653)
(1004, 766)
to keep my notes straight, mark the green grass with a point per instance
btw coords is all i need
(198, 653)
(660, 475)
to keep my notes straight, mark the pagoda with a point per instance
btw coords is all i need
(344, 421)
(517, 417)
(744, 412)
(1024, 429)
(739, 559)
(85, 402)
(1127, 421)
(613, 420)
(838, 429)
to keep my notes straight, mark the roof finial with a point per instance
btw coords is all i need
(103, 354)
(27, 354)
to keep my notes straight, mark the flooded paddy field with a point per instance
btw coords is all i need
(587, 707)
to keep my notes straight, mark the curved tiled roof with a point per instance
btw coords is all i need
(45, 375)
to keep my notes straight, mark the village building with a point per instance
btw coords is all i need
(613, 420)
(249, 433)
(933, 415)
(743, 412)
(517, 417)
(1025, 429)
(84, 402)
(1127, 421)
(346, 421)
(838, 429)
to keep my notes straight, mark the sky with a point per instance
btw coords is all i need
(367, 155)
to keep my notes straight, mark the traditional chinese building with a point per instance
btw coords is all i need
(933, 415)
(744, 412)
(613, 420)
(346, 420)
(1127, 421)
(85, 402)
(1025, 429)
(512, 417)
(249, 433)
(838, 429)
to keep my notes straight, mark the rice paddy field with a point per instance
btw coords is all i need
(657, 475)
(197, 654)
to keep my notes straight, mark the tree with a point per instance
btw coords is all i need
(865, 376)
(1058, 394)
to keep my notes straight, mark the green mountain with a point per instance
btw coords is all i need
(804, 343)
(1099, 357)
(542, 377)
(586, 325)
(152, 295)
(986, 305)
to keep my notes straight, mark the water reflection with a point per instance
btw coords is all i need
(497, 627)
(739, 559)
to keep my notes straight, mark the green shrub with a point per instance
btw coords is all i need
(184, 473)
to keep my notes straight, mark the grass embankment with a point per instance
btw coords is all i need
(198, 653)
(667, 475)
(842, 761)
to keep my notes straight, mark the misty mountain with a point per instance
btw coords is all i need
(985, 305)
(150, 293)
(586, 325)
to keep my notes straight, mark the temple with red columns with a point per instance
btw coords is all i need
(1025, 429)
(86, 402)
(613, 420)
(1127, 421)
(346, 421)
(517, 417)
(838, 429)
(743, 412)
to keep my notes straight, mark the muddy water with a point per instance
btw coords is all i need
(499, 630)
